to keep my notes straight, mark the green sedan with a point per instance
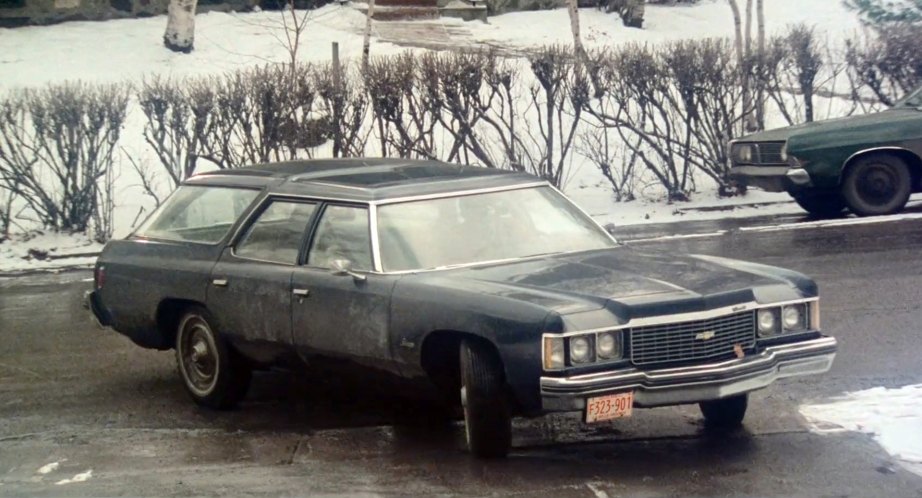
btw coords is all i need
(869, 164)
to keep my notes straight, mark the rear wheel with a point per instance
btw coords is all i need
(487, 414)
(827, 205)
(726, 413)
(212, 373)
(877, 184)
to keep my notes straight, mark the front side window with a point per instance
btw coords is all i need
(494, 226)
(342, 234)
(198, 213)
(277, 234)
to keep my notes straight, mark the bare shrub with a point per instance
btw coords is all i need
(887, 63)
(405, 117)
(178, 117)
(561, 93)
(260, 115)
(344, 104)
(57, 145)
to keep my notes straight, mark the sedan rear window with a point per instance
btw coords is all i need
(198, 214)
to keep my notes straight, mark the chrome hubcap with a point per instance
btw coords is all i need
(199, 360)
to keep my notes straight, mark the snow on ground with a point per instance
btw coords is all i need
(128, 49)
(706, 19)
(46, 251)
(893, 417)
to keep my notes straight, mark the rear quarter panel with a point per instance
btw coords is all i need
(141, 273)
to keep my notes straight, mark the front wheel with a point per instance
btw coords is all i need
(487, 414)
(726, 413)
(877, 184)
(212, 373)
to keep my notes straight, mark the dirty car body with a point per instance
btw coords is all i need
(491, 286)
(868, 163)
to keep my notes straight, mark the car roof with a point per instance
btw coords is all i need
(364, 179)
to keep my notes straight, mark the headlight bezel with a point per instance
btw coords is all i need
(807, 319)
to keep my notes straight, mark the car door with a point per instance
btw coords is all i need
(250, 292)
(342, 315)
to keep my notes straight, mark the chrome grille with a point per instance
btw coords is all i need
(684, 341)
(770, 153)
(763, 154)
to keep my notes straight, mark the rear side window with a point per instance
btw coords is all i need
(198, 214)
(277, 234)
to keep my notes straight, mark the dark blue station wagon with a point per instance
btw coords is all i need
(490, 286)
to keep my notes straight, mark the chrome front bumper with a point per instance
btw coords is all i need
(675, 386)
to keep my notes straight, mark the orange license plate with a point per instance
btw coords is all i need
(609, 407)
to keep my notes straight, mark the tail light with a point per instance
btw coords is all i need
(100, 277)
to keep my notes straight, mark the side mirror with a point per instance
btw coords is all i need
(343, 267)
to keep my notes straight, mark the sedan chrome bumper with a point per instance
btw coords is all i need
(674, 386)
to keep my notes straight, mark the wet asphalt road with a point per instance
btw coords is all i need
(91, 400)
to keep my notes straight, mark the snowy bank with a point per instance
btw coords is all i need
(893, 417)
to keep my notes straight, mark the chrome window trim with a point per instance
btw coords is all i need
(464, 193)
(375, 245)
(587, 215)
(460, 193)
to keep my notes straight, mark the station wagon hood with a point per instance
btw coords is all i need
(623, 277)
(852, 128)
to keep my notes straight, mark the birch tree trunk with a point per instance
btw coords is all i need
(760, 47)
(366, 42)
(581, 55)
(180, 26)
(742, 57)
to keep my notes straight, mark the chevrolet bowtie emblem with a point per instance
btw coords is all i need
(704, 336)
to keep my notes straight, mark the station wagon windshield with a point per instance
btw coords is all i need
(452, 231)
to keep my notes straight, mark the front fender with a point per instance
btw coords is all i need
(514, 327)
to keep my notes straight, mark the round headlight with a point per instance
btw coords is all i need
(579, 350)
(608, 346)
(745, 153)
(792, 317)
(766, 319)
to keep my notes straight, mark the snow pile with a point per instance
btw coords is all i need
(39, 250)
(892, 416)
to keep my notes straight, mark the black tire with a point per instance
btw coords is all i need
(726, 413)
(485, 402)
(877, 184)
(824, 205)
(213, 374)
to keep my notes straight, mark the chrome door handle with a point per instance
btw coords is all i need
(301, 292)
(220, 282)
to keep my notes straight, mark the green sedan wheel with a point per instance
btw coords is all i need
(877, 184)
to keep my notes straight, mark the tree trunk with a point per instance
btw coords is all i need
(366, 42)
(760, 46)
(741, 58)
(180, 26)
(574, 27)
